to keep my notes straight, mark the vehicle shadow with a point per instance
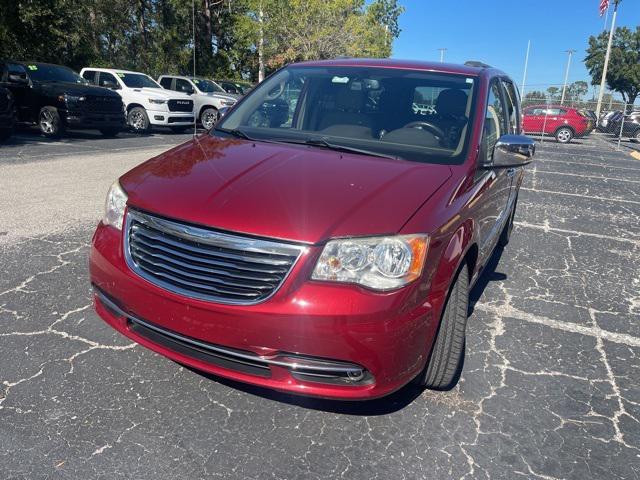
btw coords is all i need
(382, 406)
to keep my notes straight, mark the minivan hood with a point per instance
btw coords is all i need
(292, 192)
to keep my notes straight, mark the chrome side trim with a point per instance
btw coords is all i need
(296, 363)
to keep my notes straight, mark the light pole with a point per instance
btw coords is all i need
(442, 50)
(566, 75)
(526, 63)
(606, 59)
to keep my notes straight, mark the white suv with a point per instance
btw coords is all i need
(207, 96)
(147, 103)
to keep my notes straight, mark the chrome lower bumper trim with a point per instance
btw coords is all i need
(306, 368)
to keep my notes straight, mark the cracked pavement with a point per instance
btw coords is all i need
(550, 387)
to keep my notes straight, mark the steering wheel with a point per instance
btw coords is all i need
(275, 92)
(421, 124)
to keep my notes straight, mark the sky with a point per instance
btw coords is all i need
(496, 32)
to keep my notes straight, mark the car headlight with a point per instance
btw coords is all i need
(228, 103)
(114, 206)
(379, 263)
(157, 101)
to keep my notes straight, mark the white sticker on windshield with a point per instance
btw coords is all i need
(340, 80)
(470, 80)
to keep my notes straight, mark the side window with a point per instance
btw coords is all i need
(16, 69)
(513, 107)
(107, 80)
(494, 121)
(165, 82)
(183, 86)
(89, 75)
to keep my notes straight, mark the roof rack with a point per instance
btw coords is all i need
(475, 63)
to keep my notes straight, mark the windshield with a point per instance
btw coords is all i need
(138, 80)
(207, 86)
(42, 72)
(413, 115)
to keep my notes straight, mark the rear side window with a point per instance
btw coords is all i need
(183, 86)
(165, 82)
(15, 69)
(513, 107)
(89, 75)
(107, 80)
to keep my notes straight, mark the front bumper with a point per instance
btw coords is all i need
(90, 120)
(166, 118)
(332, 341)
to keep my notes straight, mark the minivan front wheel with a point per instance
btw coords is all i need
(50, 122)
(564, 135)
(443, 369)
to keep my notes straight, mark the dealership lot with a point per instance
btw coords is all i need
(550, 387)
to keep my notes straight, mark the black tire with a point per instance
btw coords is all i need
(564, 135)
(636, 135)
(110, 132)
(181, 129)
(447, 355)
(209, 117)
(138, 120)
(503, 241)
(50, 123)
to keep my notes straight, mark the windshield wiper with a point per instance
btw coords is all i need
(323, 142)
(236, 132)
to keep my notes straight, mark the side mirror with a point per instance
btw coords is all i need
(512, 151)
(18, 78)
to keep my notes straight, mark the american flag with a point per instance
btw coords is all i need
(604, 5)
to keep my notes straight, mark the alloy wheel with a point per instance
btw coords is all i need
(46, 121)
(209, 119)
(136, 120)
(564, 135)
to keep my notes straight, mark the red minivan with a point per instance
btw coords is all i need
(562, 122)
(323, 238)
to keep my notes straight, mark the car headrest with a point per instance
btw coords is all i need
(451, 102)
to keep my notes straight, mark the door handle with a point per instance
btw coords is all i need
(511, 172)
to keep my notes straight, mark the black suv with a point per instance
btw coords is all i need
(7, 114)
(56, 98)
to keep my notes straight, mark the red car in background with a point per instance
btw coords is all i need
(324, 237)
(564, 123)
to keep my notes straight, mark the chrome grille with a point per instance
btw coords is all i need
(206, 264)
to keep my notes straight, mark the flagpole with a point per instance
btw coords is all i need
(606, 59)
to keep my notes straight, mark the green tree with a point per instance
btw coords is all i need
(623, 72)
(553, 91)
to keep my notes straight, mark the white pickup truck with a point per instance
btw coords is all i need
(208, 97)
(147, 104)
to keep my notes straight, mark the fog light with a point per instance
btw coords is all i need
(158, 117)
(355, 375)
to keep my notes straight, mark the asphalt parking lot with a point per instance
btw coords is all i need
(550, 387)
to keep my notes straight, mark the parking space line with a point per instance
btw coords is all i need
(588, 164)
(508, 311)
(635, 155)
(591, 197)
(547, 228)
(594, 177)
